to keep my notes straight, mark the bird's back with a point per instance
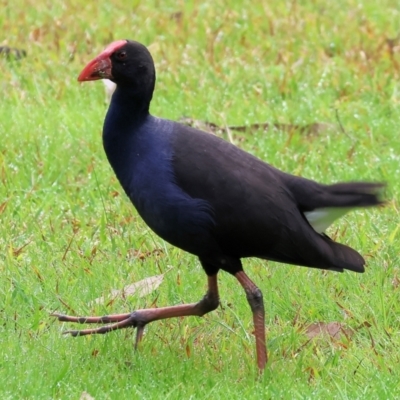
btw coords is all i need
(255, 209)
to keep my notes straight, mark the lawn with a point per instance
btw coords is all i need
(69, 235)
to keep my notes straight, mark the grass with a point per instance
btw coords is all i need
(69, 234)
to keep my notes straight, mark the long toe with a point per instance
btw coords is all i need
(126, 323)
(106, 319)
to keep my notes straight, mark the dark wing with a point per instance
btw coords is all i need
(256, 209)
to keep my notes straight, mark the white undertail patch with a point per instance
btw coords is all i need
(322, 218)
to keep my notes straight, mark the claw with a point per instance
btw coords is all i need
(58, 316)
(121, 321)
(72, 333)
(140, 318)
(139, 335)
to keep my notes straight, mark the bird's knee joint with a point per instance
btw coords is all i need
(255, 299)
(139, 318)
(209, 303)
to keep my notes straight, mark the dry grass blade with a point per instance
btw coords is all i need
(139, 289)
(3, 206)
(86, 396)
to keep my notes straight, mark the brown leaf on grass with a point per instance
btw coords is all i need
(139, 289)
(333, 329)
(86, 396)
(312, 129)
(143, 287)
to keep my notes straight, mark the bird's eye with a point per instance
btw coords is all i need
(121, 55)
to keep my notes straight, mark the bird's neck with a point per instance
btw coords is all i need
(127, 114)
(130, 105)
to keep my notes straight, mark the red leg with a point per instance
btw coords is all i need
(139, 319)
(255, 299)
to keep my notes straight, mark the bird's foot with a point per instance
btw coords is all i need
(140, 318)
(135, 319)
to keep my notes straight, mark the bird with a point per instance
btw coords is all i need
(209, 198)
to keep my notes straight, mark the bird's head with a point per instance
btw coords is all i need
(125, 62)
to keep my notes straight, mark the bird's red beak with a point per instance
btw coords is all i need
(100, 67)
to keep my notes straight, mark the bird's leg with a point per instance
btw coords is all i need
(255, 299)
(139, 319)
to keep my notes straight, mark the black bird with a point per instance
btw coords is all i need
(209, 198)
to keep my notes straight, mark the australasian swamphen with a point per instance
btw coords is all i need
(209, 198)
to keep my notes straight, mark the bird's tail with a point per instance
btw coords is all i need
(311, 195)
(325, 203)
(344, 257)
(351, 194)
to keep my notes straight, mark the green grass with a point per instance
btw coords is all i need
(69, 234)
